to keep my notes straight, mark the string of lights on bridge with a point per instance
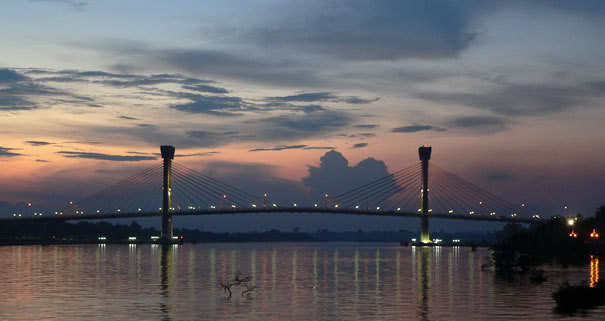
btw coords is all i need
(193, 191)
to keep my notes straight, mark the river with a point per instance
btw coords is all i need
(287, 281)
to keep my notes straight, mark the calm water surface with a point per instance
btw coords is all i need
(294, 281)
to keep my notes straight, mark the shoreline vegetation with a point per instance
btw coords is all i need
(27, 233)
(561, 240)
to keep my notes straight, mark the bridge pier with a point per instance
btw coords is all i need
(425, 155)
(167, 156)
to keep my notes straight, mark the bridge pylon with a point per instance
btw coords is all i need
(167, 155)
(424, 152)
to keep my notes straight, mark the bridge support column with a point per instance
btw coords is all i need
(425, 155)
(167, 156)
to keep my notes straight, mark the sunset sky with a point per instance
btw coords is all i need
(510, 94)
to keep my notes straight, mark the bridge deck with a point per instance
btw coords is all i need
(391, 213)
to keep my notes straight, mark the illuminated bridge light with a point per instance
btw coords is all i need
(60, 213)
(514, 215)
(159, 208)
(56, 213)
(155, 238)
(139, 209)
(398, 209)
(102, 238)
(253, 205)
(118, 210)
(419, 210)
(315, 205)
(377, 208)
(471, 212)
(294, 204)
(232, 206)
(430, 210)
(357, 206)
(132, 238)
(451, 211)
(212, 206)
(274, 205)
(492, 213)
(336, 205)
(571, 222)
(480, 202)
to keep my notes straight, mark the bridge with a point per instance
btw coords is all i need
(187, 192)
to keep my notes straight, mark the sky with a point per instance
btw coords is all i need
(509, 94)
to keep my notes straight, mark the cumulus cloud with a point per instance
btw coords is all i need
(335, 175)
(360, 145)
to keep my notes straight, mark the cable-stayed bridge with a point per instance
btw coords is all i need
(172, 189)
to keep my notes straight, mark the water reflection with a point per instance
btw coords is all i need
(165, 280)
(423, 281)
(295, 282)
(594, 271)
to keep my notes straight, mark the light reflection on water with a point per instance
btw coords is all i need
(294, 281)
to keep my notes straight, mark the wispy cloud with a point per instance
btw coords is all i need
(38, 143)
(8, 152)
(416, 128)
(108, 157)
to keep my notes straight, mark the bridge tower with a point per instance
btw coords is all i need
(425, 155)
(167, 156)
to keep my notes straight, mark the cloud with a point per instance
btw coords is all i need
(7, 152)
(212, 105)
(320, 96)
(101, 156)
(10, 103)
(203, 154)
(18, 91)
(128, 117)
(298, 126)
(76, 4)
(523, 99)
(38, 143)
(334, 175)
(480, 124)
(207, 89)
(278, 148)
(319, 148)
(360, 145)
(362, 30)
(41, 161)
(10, 76)
(416, 128)
(366, 126)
